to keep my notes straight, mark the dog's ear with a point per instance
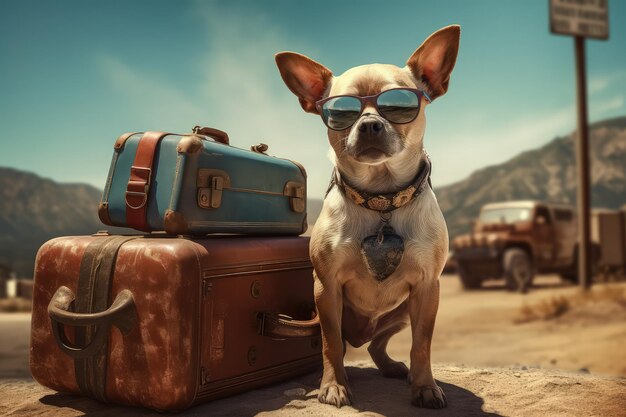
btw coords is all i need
(305, 78)
(434, 60)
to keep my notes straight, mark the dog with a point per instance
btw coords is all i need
(380, 242)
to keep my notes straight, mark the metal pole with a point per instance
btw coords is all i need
(582, 169)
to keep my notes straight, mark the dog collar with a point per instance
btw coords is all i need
(385, 202)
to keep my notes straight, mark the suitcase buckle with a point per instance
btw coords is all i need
(143, 195)
(139, 179)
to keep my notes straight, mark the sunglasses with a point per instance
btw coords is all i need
(398, 105)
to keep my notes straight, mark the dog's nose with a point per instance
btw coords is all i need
(370, 127)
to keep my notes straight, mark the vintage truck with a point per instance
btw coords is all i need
(515, 240)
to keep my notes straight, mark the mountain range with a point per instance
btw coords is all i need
(547, 174)
(35, 209)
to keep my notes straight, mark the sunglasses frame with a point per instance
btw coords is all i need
(374, 101)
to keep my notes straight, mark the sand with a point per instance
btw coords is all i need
(14, 344)
(470, 391)
(573, 365)
(477, 328)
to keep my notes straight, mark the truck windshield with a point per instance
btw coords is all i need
(504, 215)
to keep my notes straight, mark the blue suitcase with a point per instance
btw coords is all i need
(196, 184)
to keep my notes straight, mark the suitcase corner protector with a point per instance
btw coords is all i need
(121, 141)
(103, 213)
(175, 223)
(300, 167)
(189, 144)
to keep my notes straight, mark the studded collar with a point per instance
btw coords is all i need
(385, 202)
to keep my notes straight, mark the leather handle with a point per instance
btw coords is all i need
(281, 326)
(122, 314)
(218, 135)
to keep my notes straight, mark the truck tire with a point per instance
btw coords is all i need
(518, 270)
(468, 280)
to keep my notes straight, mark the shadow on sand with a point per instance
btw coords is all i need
(391, 397)
(372, 394)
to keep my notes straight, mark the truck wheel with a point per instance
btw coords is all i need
(468, 280)
(518, 270)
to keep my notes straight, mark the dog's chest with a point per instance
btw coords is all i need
(371, 297)
(338, 240)
(368, 295)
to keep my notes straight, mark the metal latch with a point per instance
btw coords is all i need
(211, 184)
(297, 196)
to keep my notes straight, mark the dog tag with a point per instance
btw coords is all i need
(382, 252)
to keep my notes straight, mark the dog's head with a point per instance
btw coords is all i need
(376, 136)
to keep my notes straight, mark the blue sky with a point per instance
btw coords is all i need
(76, 74)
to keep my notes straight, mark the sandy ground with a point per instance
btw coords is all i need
(470, 392)
(570, 366)
(14, 344)
(476, 328)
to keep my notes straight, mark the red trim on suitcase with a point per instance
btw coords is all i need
(138, 188)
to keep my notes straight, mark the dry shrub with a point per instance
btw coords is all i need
(547, 309)
(608, 293)
(557, 305)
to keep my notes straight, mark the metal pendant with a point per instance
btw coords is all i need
(383, 251)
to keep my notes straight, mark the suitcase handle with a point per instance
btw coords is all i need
(121, 314)
(281, 326)
(218, 135)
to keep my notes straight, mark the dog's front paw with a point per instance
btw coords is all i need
(334, 394)
(430, 396)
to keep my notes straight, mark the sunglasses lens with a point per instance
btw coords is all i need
(341, 112)
(399, 106)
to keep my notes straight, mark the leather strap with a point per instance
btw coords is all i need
(92, 296)
(138, 188)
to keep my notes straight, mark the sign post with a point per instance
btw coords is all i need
(582, 19)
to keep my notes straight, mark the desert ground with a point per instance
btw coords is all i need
(478, 328)
(549, 352)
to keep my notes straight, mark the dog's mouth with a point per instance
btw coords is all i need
(371, 154)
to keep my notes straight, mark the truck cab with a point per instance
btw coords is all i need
(514, 240)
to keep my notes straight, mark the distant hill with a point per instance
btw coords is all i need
(35, 209)
(547, 173)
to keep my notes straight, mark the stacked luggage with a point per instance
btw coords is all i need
(218, 299)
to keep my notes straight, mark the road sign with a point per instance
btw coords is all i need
(585, 18)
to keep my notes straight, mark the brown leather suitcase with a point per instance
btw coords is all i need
(165, 322)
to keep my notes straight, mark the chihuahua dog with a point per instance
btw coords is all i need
(381, 242)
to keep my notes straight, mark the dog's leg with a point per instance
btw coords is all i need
(333, 388)
(389, 325)
(423, 304)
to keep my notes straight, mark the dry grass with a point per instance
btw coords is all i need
(15, 305)
(558, 305)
